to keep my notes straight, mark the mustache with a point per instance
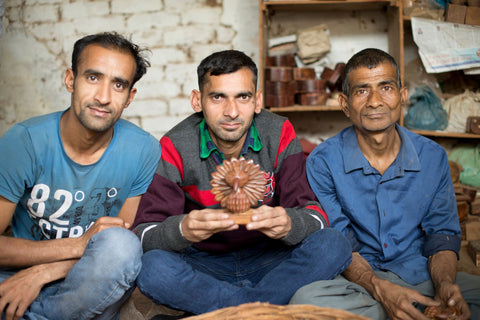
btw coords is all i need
(99, 106)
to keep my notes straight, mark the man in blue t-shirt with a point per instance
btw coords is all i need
(389, 191)
(70, 185)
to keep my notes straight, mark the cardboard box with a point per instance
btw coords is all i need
(472, 16)
(455, 13)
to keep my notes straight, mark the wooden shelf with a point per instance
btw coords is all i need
(443, 134)
(298, 108)
(327, 4)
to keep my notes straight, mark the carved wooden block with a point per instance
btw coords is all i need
(238, 185)
(473, 249)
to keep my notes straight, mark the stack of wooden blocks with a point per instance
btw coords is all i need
(463, 11)
(468, 205)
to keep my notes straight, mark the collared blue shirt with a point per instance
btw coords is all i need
(395, 220)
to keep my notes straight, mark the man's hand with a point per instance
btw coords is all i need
(199, 225)
(443, 270)
(101, 224)
(272, 221)
(19, 291)
(450, 295)
(398, 301)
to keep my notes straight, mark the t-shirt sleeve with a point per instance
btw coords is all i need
(17, 163)
(147, 164)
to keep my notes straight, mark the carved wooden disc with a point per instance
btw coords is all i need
(238, 184)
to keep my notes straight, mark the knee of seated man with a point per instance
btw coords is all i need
(333, 237)
(118, 245)
(169, 265)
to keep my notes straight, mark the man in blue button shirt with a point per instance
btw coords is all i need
(390, 192)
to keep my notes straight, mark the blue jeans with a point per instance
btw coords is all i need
(97, 284)
(199, 282)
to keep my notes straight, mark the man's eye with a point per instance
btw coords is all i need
(92, 78)
(120, 86)
(244, 97)
(217, 97)
(361, 91)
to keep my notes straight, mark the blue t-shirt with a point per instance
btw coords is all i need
(395, 220)
(59, 198)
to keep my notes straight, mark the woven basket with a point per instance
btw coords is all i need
(266, 311)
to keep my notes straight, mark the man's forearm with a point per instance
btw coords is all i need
(361, 273)
(53, 271)
(443, 267)
(18, 252)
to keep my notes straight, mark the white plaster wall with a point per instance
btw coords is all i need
(37, 38)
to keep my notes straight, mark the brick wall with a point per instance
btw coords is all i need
(37, 38)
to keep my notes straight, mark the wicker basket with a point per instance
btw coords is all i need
(266, 311)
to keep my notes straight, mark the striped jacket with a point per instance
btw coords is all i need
(182, 184)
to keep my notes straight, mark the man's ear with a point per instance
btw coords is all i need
(69, 79)
(258, 101)
(403, 96)
(343, 101)
(196, 100)
(131, 95)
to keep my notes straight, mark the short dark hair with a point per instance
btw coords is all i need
(115, 41)
(369, 58)
(223, 62)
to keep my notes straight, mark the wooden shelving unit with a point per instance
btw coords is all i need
(465, 137)
(298, 108)
(271, 13)
(442, 134)
(270, 10)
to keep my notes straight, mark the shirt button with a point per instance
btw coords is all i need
(385, 245)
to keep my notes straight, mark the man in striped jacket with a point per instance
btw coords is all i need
(196, 257)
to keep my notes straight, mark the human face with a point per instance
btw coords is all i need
(228, 102)
(101, 88)
(375, 101)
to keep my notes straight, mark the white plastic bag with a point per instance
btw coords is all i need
(459, 108)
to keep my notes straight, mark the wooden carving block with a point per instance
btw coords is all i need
(238, 185)
(279, 101)
(455, 170)
(473, 125)
(473, 249)
(286, 60)
(475, 209)
(279, 73)
(472, 16)
(310, 85)
(311, 98)
(281, 88)
(463, 210)
(303, 73)
(455, 13)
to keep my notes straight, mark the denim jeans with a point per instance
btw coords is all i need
(97, 284)
(200, 282)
